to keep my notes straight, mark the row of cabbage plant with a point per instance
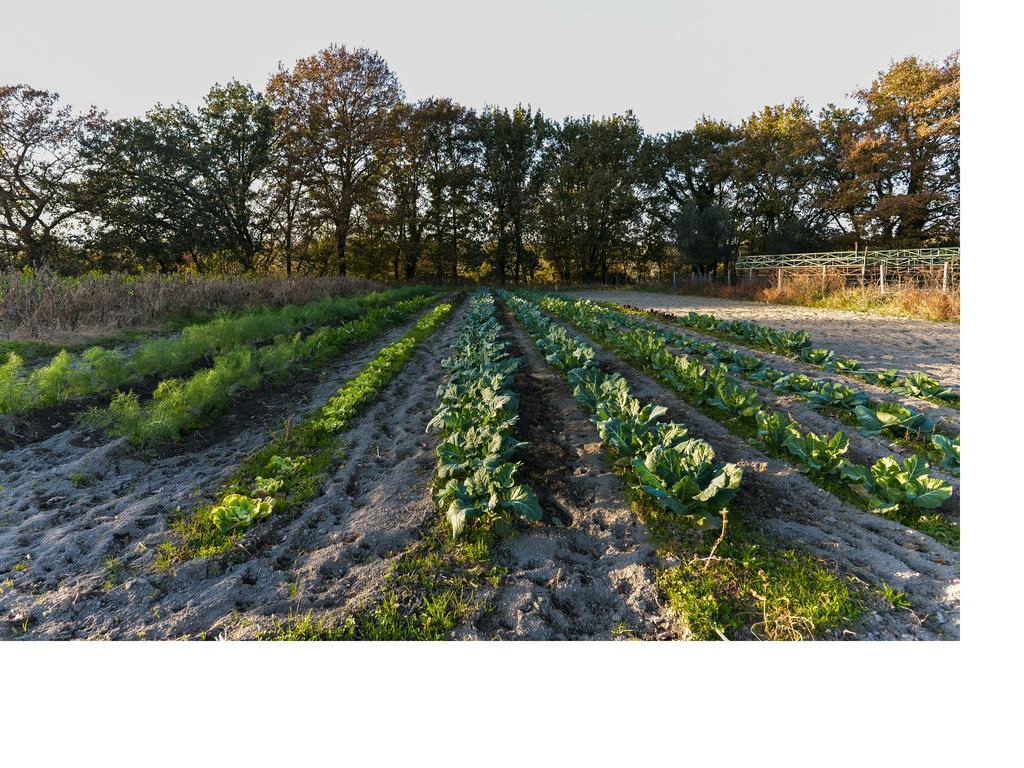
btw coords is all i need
(874, 417)
(797, 344)
(670, 471)
(902, 491)
(476, 471)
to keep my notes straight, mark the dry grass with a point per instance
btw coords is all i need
(808, 291)
(44, 305)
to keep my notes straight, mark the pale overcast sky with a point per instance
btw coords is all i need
(667, 61)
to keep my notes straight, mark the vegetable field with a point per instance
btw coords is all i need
(489, 463)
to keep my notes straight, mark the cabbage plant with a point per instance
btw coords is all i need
(894, 485)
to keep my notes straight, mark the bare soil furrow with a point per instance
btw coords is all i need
(375, 505)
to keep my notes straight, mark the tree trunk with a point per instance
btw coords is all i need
(341, 231)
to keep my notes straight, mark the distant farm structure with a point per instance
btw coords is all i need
(919, 267)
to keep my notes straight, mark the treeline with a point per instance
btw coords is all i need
(330, 170)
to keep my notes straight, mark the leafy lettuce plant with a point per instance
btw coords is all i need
(775, 427)
(843, 365)
(886, 378)
(736, 401)
(236, 513)
(797, 383)
(817, 455)
(487, 493)
(830, 393)
(685, 479)
(919, 385)
(817, 356)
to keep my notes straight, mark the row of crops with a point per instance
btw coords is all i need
(675, 480)
(99, 370)
(797, 345)
(294, 466)
(912, 428)
(900, 490)
(178, 406)
(663, 467)
(476, 474)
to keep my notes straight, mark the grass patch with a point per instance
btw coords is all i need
(937, 526)
(115, 572)
(427, 592)
(894, 597)
(754, 589)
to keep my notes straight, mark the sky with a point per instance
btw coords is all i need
(669, 62)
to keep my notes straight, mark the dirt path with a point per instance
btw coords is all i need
(878, 342)
(590, 580)
(74, 501)
(872, 548)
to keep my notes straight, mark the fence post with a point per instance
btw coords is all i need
(750, 275)
(780, 278)
(881, 275)
(864, 271)
(945, 276)
(822, 278)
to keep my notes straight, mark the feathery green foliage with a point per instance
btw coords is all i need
(98, 369)
(179, 406)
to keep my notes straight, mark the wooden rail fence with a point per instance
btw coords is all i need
(922, 267)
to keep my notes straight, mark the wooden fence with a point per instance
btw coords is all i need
(921, 267)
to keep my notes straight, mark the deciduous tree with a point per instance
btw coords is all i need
(341, 105)
(41, 195)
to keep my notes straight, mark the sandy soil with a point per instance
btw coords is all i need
(869, 547)
(56, 536)
(590, 580)
(82, 516)
(878, 342)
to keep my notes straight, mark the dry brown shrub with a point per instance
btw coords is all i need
(42, 304)
(832, 292)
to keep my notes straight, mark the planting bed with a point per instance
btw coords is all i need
(494, 465)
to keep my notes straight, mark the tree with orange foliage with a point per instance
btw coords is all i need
(338, 108)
